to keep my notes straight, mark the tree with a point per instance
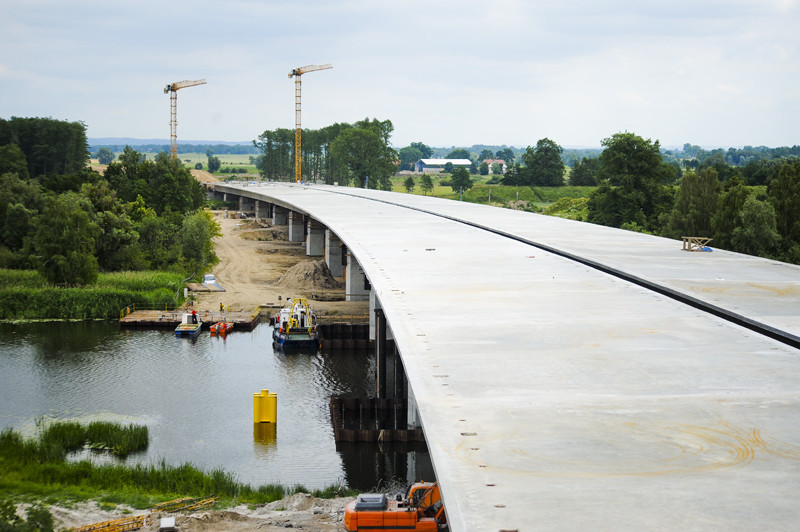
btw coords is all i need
(105, 155)
(584, 173)
(364, 153)
(424, 149)
(65, 241)
(545, 167)
(695, 205)
(756, 235)
(409, 184)
(497, 169)
(506, 154)
(485, 154)
(460, 180)
(484, 168)
(12, 161)
(197, 232)
(729, 212)
(426, 184)
(632, 167)
(448, 167)
(784, 194)
(458, 153)
(408, 157)
(213, 163)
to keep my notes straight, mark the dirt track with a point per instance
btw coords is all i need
(251, 258)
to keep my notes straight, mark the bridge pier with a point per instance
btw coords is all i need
(356, 285)
(296, 227)
(380, 354)
(279, 215)
(246, 204)
(334, 253)
(262, 209)
(315, 239)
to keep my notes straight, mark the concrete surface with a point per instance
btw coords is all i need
(557, 397)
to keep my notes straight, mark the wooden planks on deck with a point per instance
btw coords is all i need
(242, 319)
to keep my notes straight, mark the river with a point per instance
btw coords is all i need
(196, 398)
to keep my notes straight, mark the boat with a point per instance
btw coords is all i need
(221, 327)
(295, 326)
(190, 325)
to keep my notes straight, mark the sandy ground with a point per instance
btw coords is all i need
(299, 511)
(251, 258)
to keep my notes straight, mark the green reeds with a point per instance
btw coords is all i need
(23, 295)
(71, 436)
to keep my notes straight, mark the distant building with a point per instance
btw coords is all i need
(435, 166)
(501, 162)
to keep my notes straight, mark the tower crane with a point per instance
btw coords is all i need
(172, 89)
(296, 73)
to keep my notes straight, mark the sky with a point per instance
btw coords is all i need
(717, 73)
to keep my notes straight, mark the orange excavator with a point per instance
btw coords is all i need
(421, 509)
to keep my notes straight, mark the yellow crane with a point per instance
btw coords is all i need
(296, 73)
(172, 89)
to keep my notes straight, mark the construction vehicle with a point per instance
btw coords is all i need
(172, 90)
(421, 509)
(296, 73)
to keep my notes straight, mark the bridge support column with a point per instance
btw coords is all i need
(279, 215)
(246, 204)
(413, 414)
(380, 354)
(315, 239)
(356, 286)
(334, 254)
(296, 227)
(262, 209)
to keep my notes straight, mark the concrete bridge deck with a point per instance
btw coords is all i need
(556, 396)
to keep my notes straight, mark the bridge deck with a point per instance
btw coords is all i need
(557, 396)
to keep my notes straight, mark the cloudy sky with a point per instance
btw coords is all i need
(446, 73)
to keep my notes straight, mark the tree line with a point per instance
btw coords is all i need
(359, 154)
(71, 224)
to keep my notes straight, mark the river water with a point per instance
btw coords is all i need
(196, 398)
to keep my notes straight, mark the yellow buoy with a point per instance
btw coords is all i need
(265, 407)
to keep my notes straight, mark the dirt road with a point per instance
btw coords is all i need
(251, 259)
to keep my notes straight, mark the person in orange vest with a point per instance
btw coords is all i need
(194, 316)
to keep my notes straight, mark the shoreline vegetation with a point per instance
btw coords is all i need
(38, 470)
(26, 295)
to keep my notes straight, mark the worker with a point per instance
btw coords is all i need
(194, 316)
(221, 307)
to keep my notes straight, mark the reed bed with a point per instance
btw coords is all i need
(23, 296)
(39, 465)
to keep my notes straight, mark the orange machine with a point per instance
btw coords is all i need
(422, 509)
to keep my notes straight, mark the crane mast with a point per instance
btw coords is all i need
(172, 89)
(296, 73)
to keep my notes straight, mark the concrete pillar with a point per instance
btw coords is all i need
(356, 286)
(262, 209)
(380, 354)
(413, 414)
(400, 385)
(280, 216)
(296, 227)
(333, 253)
(315, 239)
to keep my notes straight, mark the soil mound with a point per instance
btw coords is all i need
(308, 275)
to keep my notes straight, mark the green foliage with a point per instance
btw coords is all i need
(105, 155)
(409, 184)
(544, 167)
(38, 518)
(50, 146)
(408, 157)
(213, 163)
(460, 180)
(65, 242)
(364, 152)
(12, 161)
(695, 205)
(458, 153)
(584, 173)
(25, 295)
(426, 184)
(570, 208)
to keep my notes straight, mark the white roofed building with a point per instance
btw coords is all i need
(435, 166)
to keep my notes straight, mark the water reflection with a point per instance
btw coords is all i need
(196, 398)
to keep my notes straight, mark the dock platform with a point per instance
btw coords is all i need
(242, 319)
